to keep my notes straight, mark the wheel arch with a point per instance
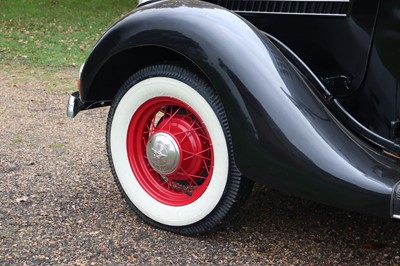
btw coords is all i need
(118, 68)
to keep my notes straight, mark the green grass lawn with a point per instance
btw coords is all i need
(54, 32)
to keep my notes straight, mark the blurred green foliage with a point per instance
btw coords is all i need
(54, 32)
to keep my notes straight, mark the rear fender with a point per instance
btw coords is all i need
(282, 132)
(233, 55)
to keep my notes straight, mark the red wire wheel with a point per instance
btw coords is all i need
(170, 151)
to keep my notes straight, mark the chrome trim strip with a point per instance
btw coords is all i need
(288, 13)
(343, 1)
(288, 7)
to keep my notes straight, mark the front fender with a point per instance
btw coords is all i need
(282, 133)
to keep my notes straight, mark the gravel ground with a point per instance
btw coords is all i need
(60, 206)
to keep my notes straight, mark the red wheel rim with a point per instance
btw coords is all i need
(172, 117)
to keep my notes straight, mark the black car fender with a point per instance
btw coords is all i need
(283, 133)
(229, 51)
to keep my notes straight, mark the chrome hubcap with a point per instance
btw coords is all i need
(163, 153)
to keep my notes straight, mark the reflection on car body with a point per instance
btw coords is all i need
(208, 97)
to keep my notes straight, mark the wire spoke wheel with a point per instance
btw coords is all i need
(170, 152)
(173, 160)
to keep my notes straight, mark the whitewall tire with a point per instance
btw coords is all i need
(169, 149)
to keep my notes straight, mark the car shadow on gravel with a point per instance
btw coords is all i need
(272, 220)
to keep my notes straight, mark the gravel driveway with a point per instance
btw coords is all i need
(60, 206)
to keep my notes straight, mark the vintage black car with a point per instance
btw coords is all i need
(209, 96)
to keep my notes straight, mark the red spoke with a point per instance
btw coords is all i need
(188, 175)
(144, 141)
(197, 154)
(171, 116)
(207, 164)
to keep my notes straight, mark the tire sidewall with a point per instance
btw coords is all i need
(134, 93)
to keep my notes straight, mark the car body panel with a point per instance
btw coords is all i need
(287, 128)
(376, 105)
(330, 44)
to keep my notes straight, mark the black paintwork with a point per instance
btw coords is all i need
(362, 46)
(375, 104)
(297, 113)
